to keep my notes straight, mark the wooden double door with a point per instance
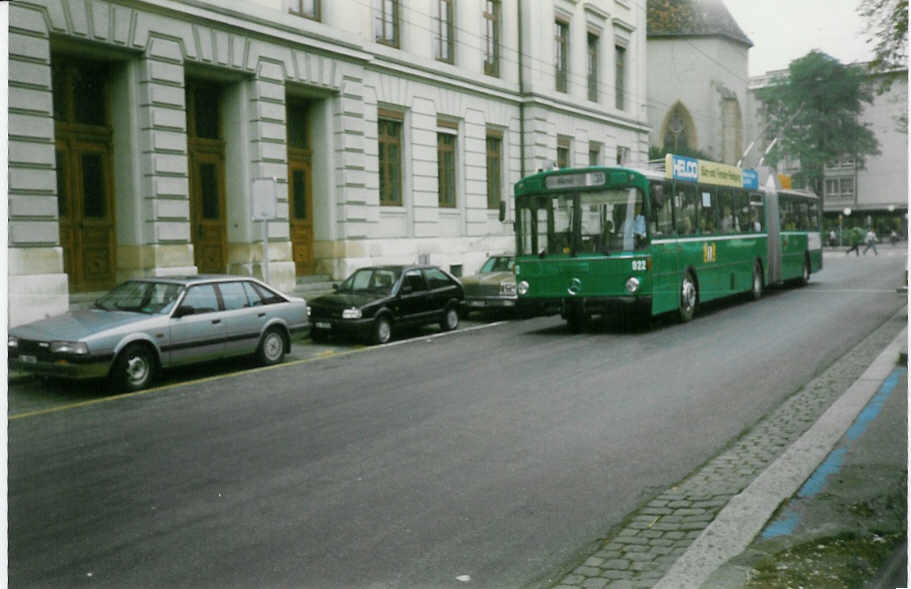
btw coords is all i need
(300, 197)
(85, 207)
(207, 207)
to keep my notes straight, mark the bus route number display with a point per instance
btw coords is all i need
(575, 180)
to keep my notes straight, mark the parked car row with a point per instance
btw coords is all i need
(146, 325)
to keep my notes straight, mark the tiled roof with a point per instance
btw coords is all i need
(689, 18)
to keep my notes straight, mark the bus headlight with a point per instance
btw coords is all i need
(522, 288)
(632, 285)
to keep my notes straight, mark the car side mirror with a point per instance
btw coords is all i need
(184, 310)
(502, 211)
(335, 286)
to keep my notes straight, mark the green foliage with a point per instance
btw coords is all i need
(887, 31)
(814, 111)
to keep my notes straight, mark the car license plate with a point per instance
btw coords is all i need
(323, 325)
(477, 303)
(28, 359)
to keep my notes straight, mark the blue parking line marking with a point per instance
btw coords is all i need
(787, 522)
(783, 526)
(871, 411)
(816, 482)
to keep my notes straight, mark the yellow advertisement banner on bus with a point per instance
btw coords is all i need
(715, 173)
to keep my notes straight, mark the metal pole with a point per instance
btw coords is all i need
(265, 250)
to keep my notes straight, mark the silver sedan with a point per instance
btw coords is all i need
(145, 325)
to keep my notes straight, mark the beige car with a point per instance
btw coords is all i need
(493, 288)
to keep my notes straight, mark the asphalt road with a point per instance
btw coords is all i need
(484, 458)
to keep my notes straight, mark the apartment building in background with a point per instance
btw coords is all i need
(869, 193)
(148, 138)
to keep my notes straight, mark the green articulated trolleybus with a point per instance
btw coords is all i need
(601, 240)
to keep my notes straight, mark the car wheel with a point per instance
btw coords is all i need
(687, 298)
(382, 330)
(271, 348)
(318, 335)
(757, 281)
(134, 368)
(450, 319)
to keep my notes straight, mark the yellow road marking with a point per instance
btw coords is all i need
(320, 356)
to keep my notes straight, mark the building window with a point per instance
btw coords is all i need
(494, 169)
(306, 8)
(561, 54)
(594, 154)
(492, 37)
(840, 188)
(593, 61)
(386, 22)
(620, 76)
(444, 46)
(389, 129)
(446, 164)
(623, 154)
(563, 148)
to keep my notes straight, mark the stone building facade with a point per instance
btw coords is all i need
(697, 79)
(370, 131)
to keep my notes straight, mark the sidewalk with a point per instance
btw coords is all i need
(729, 524)
(845, 526)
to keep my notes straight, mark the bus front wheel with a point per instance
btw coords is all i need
(687, 298)
(575, 318)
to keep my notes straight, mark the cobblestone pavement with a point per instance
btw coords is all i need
(652, 538)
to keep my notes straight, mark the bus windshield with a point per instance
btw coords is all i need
(609, 221)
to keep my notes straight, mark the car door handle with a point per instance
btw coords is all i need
(260, 314)
(216, 321)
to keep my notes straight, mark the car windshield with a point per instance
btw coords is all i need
(498, 264)
(141, 297)
(371, 281)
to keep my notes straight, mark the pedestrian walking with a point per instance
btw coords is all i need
(870, 240)
(893, 238)
(855, 238)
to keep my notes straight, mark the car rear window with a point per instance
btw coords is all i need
(436, 278)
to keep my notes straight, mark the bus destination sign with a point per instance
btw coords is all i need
(575, 180)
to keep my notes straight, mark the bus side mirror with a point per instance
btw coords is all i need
(502, 211)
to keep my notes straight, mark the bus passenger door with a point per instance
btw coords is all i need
(665, 250)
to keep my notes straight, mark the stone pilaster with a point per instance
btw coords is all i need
(38, 287)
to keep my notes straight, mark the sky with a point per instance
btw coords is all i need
(784, 30)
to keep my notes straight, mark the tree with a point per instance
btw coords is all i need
(814, 112)
(887, 31)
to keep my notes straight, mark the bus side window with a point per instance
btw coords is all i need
(663, 217)
(726, 203)
(757, 213)
(685, 209)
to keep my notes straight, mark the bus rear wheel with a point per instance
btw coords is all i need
(687, 298)
(757, 281)
(805, 276)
